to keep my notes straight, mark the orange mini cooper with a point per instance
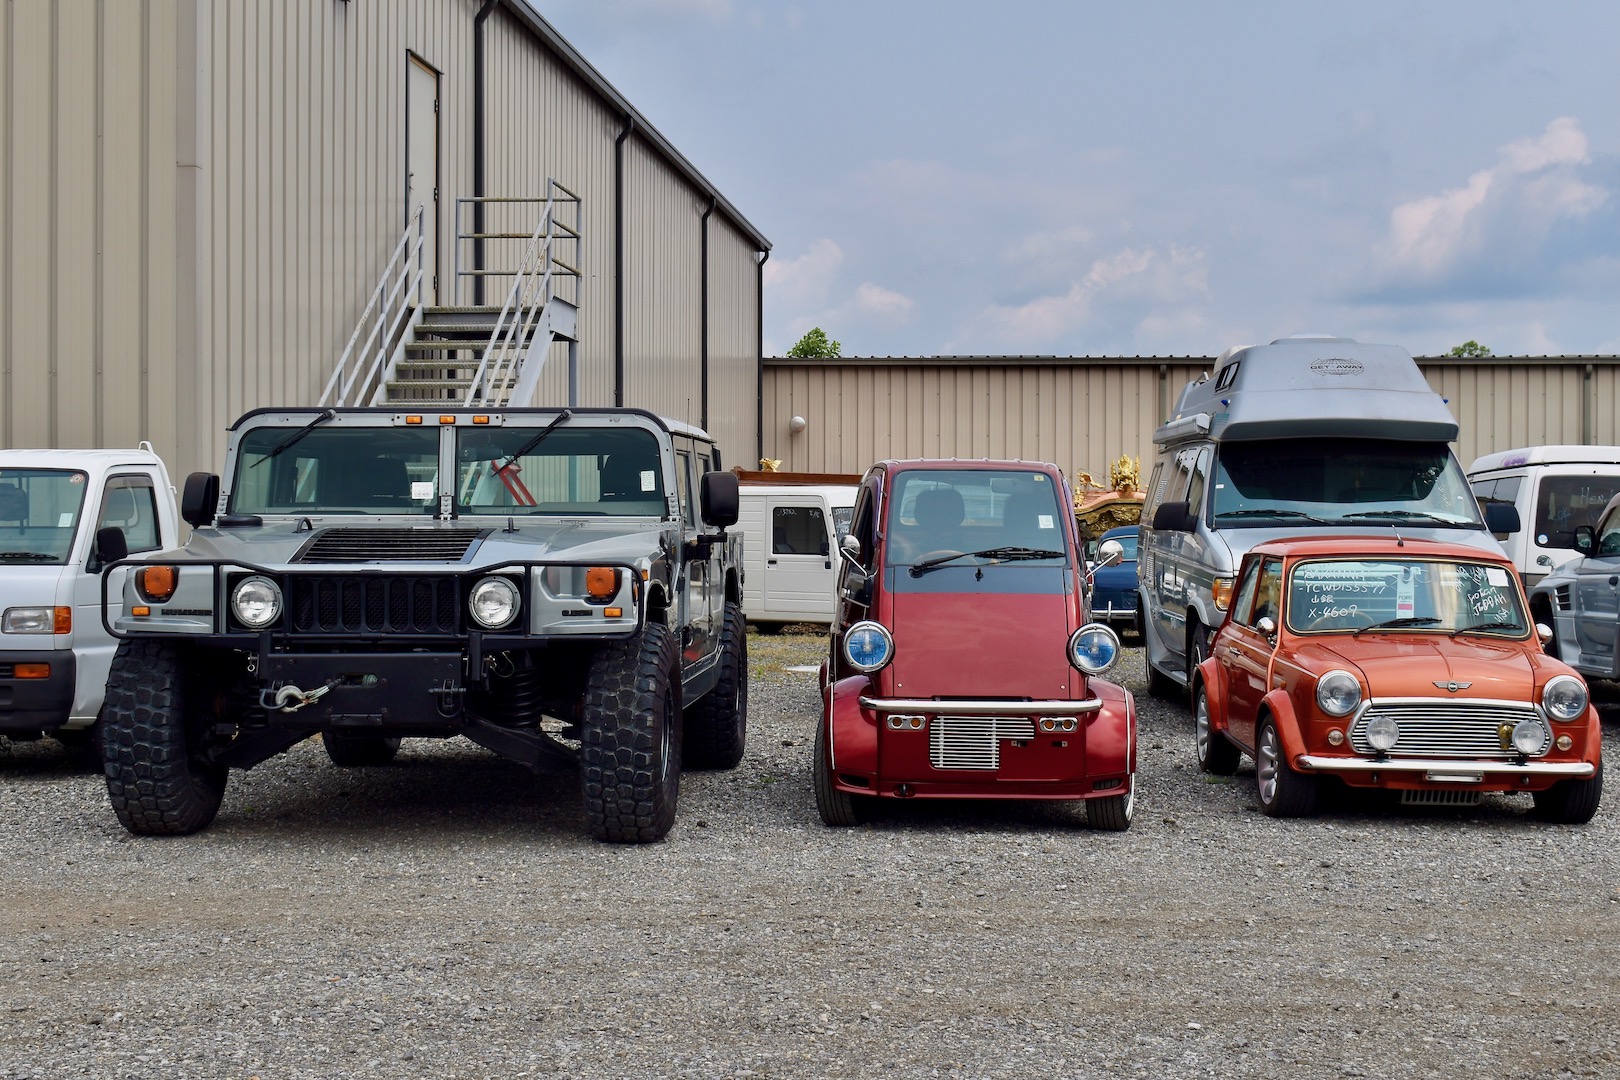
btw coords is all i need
(1406, 665)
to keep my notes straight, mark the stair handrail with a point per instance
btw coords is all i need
(401, 278)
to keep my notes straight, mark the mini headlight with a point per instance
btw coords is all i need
(1564, 697)
(1338, 693)
(256, 602)
(1530, 737)
(493, 602)
(868, 646)
(1093, 649)
(1383, 733)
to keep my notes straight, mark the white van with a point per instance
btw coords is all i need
(1555, 488)
(1305, 435)
(54, 650)
(791, 524)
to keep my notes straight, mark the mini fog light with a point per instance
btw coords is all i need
(1383, 733)
(1530, 738)
(1564, 742)
(1335, 737)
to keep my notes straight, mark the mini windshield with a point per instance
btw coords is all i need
(39, 513)
(1268, 482)
(336, 470)
(576, 469)
(1404, 595)
(983, 516)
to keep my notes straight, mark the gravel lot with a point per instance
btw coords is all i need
(445, 917)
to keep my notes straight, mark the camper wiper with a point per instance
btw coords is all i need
(1404, 515)
(289, 441)
(999, 554)
(540, 436)
(1274, 512)
(1420, 620)
(1486, 626)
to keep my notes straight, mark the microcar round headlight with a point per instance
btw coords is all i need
(868, 646)
(256, 602)
(1564, 697)
(1383, 733)
(1093, 649)
(493, 602)
(1338, 693)
(1530, 737)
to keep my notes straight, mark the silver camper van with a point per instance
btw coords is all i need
(1307, 434)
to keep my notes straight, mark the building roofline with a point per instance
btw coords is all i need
(525, 11)
(1600, 360)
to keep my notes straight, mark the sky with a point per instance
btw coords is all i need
(942, 178)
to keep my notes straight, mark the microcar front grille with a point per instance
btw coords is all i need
(1449, 729)
(374, 604)
(974, 742)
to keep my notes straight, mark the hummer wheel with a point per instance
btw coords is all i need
(716, 725)
(630, 744)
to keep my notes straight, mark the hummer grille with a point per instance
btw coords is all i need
(344, 545)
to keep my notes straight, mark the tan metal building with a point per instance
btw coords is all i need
(1084, 412)
(198, 197)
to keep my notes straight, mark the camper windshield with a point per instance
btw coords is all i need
(1341, 482)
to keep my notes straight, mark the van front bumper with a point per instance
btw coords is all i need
(28, 705)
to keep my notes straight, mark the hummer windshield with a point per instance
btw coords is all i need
(336, 470)
(974, 517)
(1268, 482)
(575, 469)
(39, 513)
(1413, 595)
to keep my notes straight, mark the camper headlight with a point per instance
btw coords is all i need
(868, 646)
(256, 602)
(1338, 693)
(1564, 697)
(493, 602)
(1093, 649)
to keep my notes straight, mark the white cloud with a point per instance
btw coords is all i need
(882, 303)
(1145, 287)
(804, 281)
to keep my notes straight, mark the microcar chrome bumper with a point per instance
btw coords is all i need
(982, 708)
(1436, 765)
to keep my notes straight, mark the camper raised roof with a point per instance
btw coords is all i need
(1306, 434)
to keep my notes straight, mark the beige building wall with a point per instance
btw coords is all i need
(197, 198)
(1083, 413)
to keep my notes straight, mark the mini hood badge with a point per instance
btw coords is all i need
(1454, 686)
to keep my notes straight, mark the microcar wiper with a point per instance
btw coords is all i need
(1404, 515)
(1000, 554)
(1279, 512)
(1487, 626)
(1420, 620)
(291, 440)
(27, 556)
(540, 436)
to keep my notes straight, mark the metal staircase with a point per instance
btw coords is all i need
(404, 352)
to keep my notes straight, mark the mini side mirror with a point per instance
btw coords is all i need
(1544, 632)
(198, 500)
(1112, 553)
(111, 546)
(1267, 626)
(719, 499)
(1174, 517)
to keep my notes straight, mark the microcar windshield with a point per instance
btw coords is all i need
(982, 515)
(1403, 595)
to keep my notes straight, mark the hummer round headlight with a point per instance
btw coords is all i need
(1564, 697)
(1338, 693)
(1530, 737)
(868, 646)
(1383, 733)
(493, 602)
(1093, 649)
(256, 602)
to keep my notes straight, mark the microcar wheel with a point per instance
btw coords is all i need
(630, 739)
(1283, 792)
(1113, 813)
(1215, 754)
(1571, 802)
(358, 751)
(837, 808)
(158, 780)
(716, 724)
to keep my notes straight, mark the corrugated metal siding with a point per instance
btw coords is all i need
(662, 288)
(1084, 413)
(733, 342)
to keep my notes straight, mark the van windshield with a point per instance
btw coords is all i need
(1341, 482)
(39, 512)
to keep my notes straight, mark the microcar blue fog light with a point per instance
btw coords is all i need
(1338, 693)
(1093, 649)
(868, 646)
(1530, 738)
(1564, 698)
(1383, 733)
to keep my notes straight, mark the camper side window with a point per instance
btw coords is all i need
(1197, 483)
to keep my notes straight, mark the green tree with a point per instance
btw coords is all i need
(815, 344)
(1469, 348)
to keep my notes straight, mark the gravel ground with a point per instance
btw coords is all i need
(445, 917)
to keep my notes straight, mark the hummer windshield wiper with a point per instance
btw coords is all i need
(27, 556)
(1486, 626)
(1000, 554)
(1276, 512)
(292, 440)
(1420, 620)
(540, 436)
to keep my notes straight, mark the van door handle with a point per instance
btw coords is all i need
(770, 562)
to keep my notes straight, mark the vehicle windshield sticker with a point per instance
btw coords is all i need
(1496, 576)
(1046, 521)
(648, 480)
(1405, 595)
(421, 490)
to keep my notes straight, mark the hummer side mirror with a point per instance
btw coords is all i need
(198, 500)
(718, 498)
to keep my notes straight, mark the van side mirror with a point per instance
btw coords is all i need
(1585, 539)
(198, 499)
(1174, 517)
(111, 546)
(718, 499)
(1501, 518)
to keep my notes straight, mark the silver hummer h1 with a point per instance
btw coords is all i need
(540, 581)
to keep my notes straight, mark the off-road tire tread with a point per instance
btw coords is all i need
(716, 725)
(625, 694)
(155, 786)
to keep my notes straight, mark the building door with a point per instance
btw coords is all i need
(422, 163)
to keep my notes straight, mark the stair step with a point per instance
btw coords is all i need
(441, 384)
(462, 309)
(443, 346)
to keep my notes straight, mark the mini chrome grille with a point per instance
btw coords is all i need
(1448, 729)
(973, 742)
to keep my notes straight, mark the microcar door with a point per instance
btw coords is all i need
(1249, 649)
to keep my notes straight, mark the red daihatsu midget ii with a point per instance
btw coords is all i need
(962, 663)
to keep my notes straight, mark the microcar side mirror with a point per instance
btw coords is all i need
(849, 549)
(111, 546)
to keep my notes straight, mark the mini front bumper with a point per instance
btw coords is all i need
(1446, 766)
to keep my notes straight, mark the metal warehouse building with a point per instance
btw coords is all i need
(204, 202)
